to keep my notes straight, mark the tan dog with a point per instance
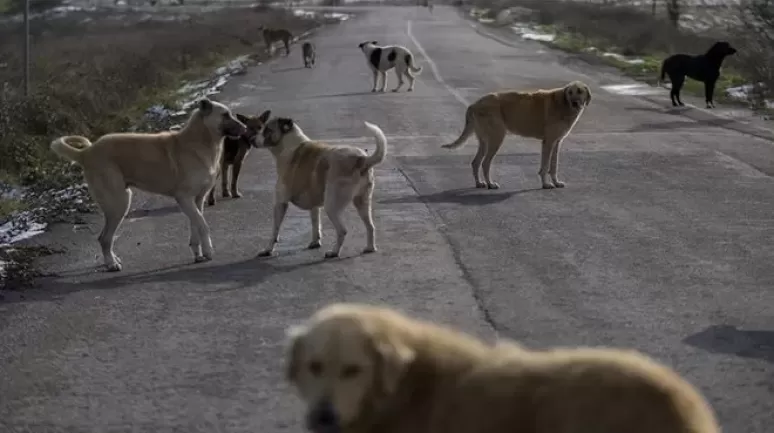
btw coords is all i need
(548, 115)
(179, 164)
(366, 369)
(312, 175)
(271, 35)
(235, 151)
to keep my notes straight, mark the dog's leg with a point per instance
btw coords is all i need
(336, 199)
(280, 209)
(399, 74)
(114, 203)
(314, 213)
(495, 130)
(545, 162)
(709, 90)
(224, 179)
(384, 80)
(677, 85)
(235, 169)
(211, 196)
(376, 79)
(363, 204)
(554, 167)
(476, 163)
(287, 47)
(411, 79)
(200, 242)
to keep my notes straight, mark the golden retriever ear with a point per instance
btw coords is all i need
(294, 334)
(588, 95)
(395, 358)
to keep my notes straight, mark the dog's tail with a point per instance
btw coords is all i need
(410, 64)
(466, 132)
(381, 147)
(71, 147)
(661, 74)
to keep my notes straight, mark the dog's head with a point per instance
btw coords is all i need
(343, 364)
(219, 119)
(363, 45)
(577, 94)
(254, 124)
(274, 132)
(721, 49)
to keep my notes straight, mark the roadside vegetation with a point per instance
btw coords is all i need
(98, 72)
(618, 31)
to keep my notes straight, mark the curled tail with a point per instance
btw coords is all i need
(410, 64)
(381, 146)
(71, 147)
(466, 132)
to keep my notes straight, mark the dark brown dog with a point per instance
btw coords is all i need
(235, 151)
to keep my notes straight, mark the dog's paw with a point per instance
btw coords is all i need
(236, 194)
(559, 184)
(265, 253)
(480, 185)
(395, 90)
(331, 254)
(211, 202)
(226, 194)
(369, 250)
(549, 186)
(202, 259)
(113, 267)
(314, 245)
(373, 90)
(410, 89)
(493, 185)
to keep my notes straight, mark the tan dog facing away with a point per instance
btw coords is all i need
(368, 369)
(179, 164)
(548, 115)
(235, 150)
(271, 35)
(312, 175)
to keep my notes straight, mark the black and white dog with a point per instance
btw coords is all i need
(382, 59)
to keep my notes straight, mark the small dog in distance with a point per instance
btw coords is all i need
(308, 52)
(382, 59)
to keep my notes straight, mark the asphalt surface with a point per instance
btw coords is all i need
(661, 241)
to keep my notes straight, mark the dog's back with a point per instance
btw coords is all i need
(524, 113)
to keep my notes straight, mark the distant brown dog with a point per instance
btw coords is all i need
(271, 35)
(367, 369)
(308, 51)
(179, 164)
(313, 175)
(548, 115)
(235, 151)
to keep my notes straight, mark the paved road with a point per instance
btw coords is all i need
(661, 241)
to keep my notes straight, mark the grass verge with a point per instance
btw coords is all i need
(98, 72)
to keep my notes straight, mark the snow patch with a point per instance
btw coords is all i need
(747, 92)
(532, 34)
(326, 15)
(622, 58)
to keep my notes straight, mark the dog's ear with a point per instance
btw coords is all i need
(285, 125)
(242, 118)
(375, 43)
(295, 335)
(588, 95)
(566, 94)
(205, 106)
(393, 359)
(264, 117)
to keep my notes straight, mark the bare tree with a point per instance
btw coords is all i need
(673, 12)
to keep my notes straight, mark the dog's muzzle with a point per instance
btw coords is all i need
(323, 418)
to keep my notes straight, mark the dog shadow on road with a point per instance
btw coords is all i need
(341, 95)
(678, 124)
(206, 277)
(462, 196)
(728, 339)
(294, 68)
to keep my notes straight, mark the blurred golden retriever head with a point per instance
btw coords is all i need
(344, 364)
(577, 94)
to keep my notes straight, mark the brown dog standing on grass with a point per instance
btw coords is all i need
(367, 369)
(548, 115)
(179, 164)
(235, 151)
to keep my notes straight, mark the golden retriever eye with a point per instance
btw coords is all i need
(315, 367)
(350, 371)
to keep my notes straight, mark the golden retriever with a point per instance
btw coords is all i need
(179, 164)
(369, 369)
(548, 115)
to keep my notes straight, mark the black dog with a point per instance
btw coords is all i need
(704, 67)
(235, 151)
